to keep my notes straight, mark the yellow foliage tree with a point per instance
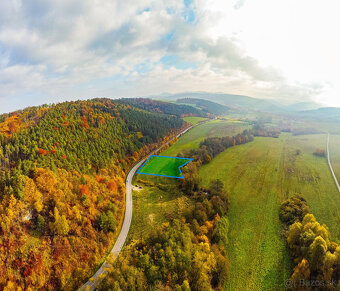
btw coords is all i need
(60, 225)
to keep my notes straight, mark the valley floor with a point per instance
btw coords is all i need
(258, 177)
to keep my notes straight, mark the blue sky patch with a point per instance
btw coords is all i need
(144, 67)
(169, 36)
(189, 14)
(187, 3)
(144, 10)
(169, 61)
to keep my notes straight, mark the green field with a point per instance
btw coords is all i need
(153, 204)
(213, 128)
(194, 120)
(258, 176)
(257, 253)
(164, 166)
(157, 200)
(334, 149)
(313, 179)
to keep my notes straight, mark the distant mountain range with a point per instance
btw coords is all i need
(241, 102)
(330, 113)
(302, 106)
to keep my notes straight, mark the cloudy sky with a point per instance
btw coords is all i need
(58, 50)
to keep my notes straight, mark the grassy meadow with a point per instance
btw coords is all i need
(165, 166)
(153, 203)
(213, 128)
(258, 176)
(194, 120)
(157, 198)
(334, 149)
(313, 180)
(257, 253)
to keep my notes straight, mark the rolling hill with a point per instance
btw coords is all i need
(206, 106)
(326, 113)
(234, 101)
(62, 185)
(243, 103)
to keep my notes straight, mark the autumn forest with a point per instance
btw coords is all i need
(62, 185)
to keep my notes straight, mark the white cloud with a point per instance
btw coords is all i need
(88, 48)
(299, 38)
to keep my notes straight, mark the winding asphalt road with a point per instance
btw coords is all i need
(330, 165)
(95, 280)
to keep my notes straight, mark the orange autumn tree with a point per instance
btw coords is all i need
(84, 189)
(42, 152)
(10, 125)
(112, 185)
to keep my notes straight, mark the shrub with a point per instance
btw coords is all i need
(319, 153)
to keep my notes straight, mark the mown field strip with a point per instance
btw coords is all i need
(257, 253)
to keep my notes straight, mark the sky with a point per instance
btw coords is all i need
(52, 51)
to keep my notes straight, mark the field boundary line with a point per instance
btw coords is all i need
(180, 170)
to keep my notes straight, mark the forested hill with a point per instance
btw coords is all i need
(62, 172)
(82, 135)
(179, 110)
(206, 106)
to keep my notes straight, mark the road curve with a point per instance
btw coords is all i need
(95, 280)
(330, 165)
